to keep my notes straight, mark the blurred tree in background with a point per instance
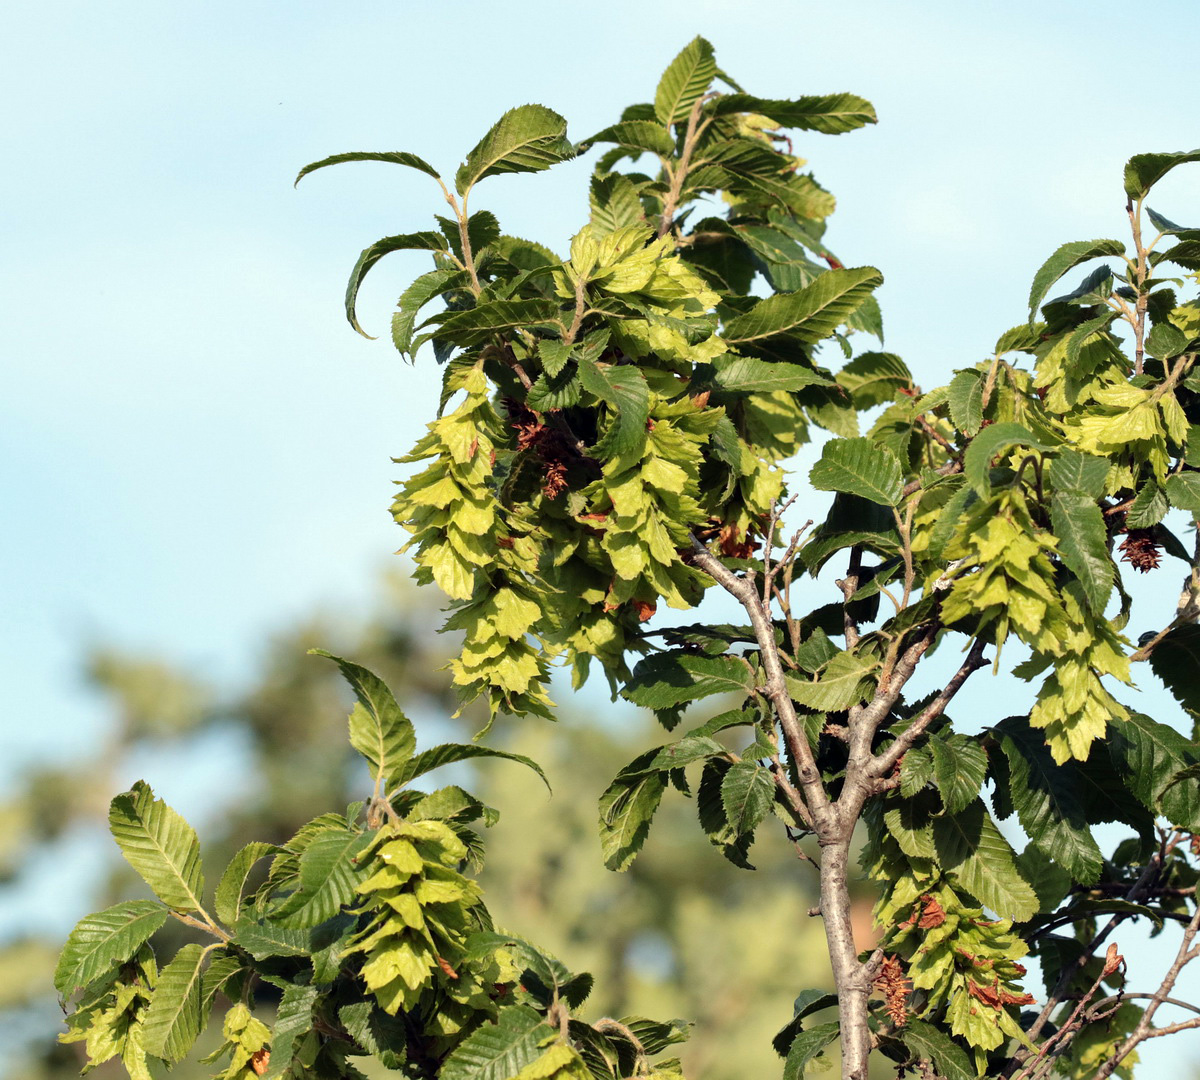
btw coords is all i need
(667, 937)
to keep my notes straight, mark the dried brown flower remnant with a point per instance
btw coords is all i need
(928, 916)
(894, 985)
(996, 996)
(1140, 550)
(645, 609)
(260, 1061)
(547, 444)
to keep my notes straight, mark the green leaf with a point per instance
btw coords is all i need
(931, 1044)
(874, 378)
(664, 680)
(102, 940)
(690, 748)
(501, 1050)
(1175, 660)
(614, 203)
(1150, 756)
(1083, 544)
(638, 135)
(399, 158)
(843, 683)
(959, 768)
(1080, 474)
(806, 1046)
(378, 729)
(416, 296)
(420, 241)
(1046, 798)
(623, 389)
(1149, 507)
(293, 1020)
(973, 851)
(966, 401)
(747, 793)
(830, 114)
(859, 467)
(627, 808)
(475, 325)
(1183, 489)
(449, 753)
(176, 1014)
(328, 877)
(265, 939)
(1143, 171)
(1166, 341)
(684, 82)
(529, 138)
(1185, 254)
(808, 315)
(993, 440)
(159, 845)
(229, 890)
(1066, 258)
(747, 374)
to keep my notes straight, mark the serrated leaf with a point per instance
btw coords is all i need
(966, 401)
(748, 374)
(1083, 544)
(501, 1050)
(104, 939)
(1066, 258)
(623, 389)
(229, 891)
(806, 1046)
(159, 845)
(1183, 489)
(809, 314)
(626, 810)
(378, 729)
(993, 440)
(959, 768)
(929, 1043)
(664, 680)
(529, 138)
(974, 852)
(638, 135)
(1081, 474)
(396, 158)
(328, 878)
(293, 1020)
(614, 203)
(265, 939)
(176, 1014)
(1166, 341)
(1143, 171)
(475, 325)
(874, 378)
(415, 297)
(843, 683)
(830, 114)
(420, 241)
(449, 753)
(1046, 799)
(1150, 757)
(690, 748)
(684, 82)
(1148, 508)
(1175, 660)
(747, 793)
(859, 467)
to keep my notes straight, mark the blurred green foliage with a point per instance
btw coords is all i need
(683, 932)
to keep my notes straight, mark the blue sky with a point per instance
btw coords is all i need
(193, 444)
